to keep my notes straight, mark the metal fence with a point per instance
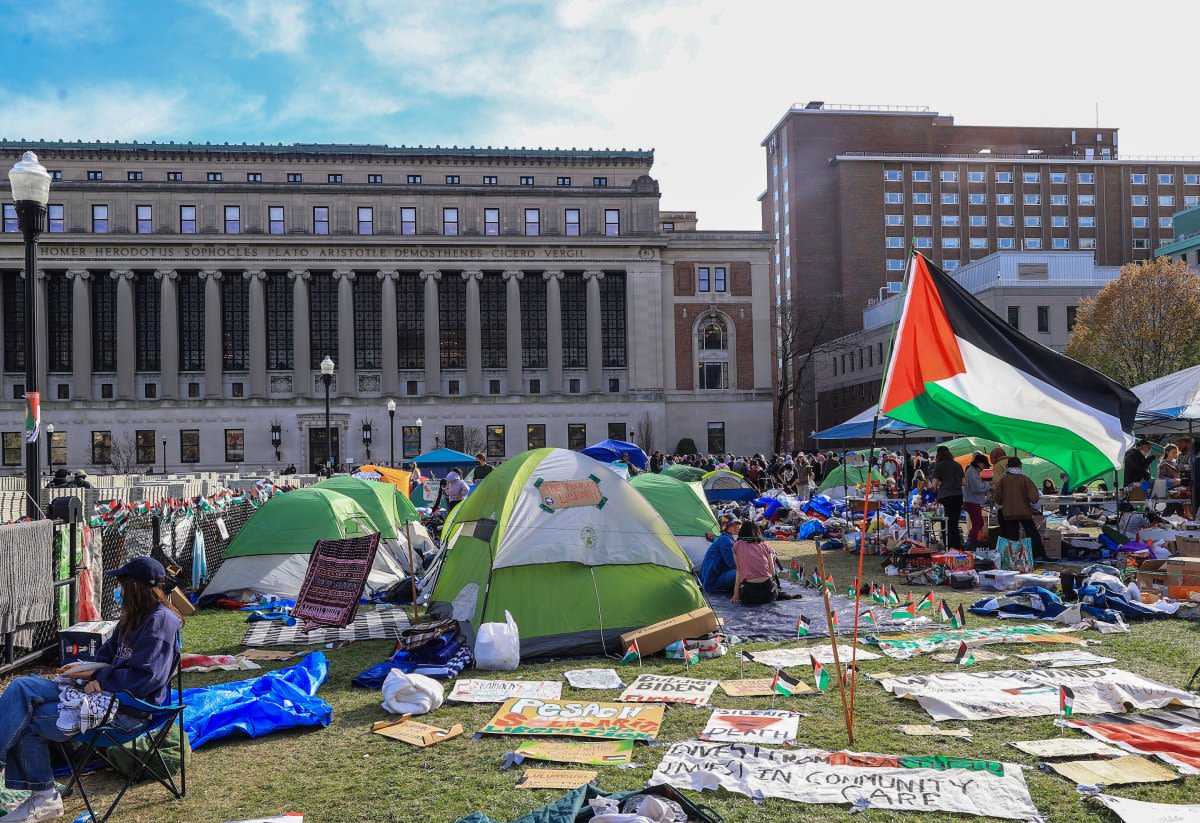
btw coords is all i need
(44, 634)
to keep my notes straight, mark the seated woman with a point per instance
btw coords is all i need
(141, 655)
(756, 568)
(718, 571)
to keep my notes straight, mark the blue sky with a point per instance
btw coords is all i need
(700, 81)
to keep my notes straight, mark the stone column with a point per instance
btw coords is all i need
(390, 346)
(433, 331)
(554, 342)
(126, 336)
(302, 380)
(81, 334)
(347, 379)
(168, 333)
(473, 337)
(257, 305)
(512, 278)
(595, 347)
(214, 353)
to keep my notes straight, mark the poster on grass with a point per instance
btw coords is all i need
(911, 784)
(576, 718)
(904, 646)
(497, 691)
(767, 726)
(656, 688)
(591, 753)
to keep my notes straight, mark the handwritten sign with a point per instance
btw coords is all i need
(1066, 747)
(415, 733)
(555, 779)
(654, 688)
(769, 727)
(610, 721)
(497, 691)
(569, 494)
(758, 687)
(596, 753)
(594, 679)
(787, 658)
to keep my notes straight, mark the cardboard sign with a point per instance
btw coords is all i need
(267, 654)
(497, 691)
(555, 779)
(655, 688)
(1128, 769)
(594, 679)
(599, 753)
(758, 687)
(926, 730)
(569, 494)
(1065, 747)
(571, 718)
(657, 636)
(222, 528)
(787, 658)
(768, 727)
(415, 733)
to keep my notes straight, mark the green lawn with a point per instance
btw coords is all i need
(345, 773)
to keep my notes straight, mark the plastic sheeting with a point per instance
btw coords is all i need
(282, 699)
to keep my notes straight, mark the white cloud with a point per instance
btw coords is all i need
(280, 26)
(105, 113)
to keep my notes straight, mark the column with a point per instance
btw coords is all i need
(81, 334)
(302, 379)
(554, 343)
(43, 338)
(168, 333)
(433, 331)
(214, 354)
(390, 343)
(126, 335)
(474, 341)
(595, 347)
(516, 381)
(256, 303)
(347, 381)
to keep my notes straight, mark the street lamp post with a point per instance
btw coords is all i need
(366, 438)
(419, 446)
(276, 439)
(327, 378)
(50, 448)
(30, 184)
(391, 407)
(164, 454)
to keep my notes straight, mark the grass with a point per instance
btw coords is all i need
(346, 773)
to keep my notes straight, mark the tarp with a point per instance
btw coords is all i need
(278, 700)
(397, 477)
(1168, 403)
(610, 451)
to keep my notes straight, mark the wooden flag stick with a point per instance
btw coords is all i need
(837, 666)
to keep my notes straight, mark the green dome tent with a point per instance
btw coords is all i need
(683, 507)
(844, 476)
(387, 506)
(572, 551)
(684, 472)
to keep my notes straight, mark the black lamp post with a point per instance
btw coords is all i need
(50, 448)
(327, 378)
(391, 407)
(366, 435)
(164, 454)
(30, 184)
(276, 439)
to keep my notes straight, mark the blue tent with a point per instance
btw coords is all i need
(444, 460)
(859, 427)
(610, 451)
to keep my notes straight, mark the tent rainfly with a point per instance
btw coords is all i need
(683, 507)
(610, 451)
(723, 484)
(1170, 403)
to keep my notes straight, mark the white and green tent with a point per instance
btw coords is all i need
(572, 551)
(683, 507)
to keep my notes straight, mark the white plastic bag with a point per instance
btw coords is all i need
(411, 693)
(498, 646)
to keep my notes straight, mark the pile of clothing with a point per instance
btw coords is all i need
(441, 655)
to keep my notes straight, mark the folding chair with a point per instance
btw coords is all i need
(160, 720)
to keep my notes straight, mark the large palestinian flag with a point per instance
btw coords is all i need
(957, 367)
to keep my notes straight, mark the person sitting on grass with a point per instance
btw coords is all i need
(757, 566)
(719, 570)
(141, 657)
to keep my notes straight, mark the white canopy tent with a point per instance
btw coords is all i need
(1170, 403)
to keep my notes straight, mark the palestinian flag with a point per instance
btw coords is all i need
(632, 653)
(848, 673)
(869, 617)
(944, 613)
(960, 619)
(926, 602)
(964, 657)
(829, 584)
(956, 366)
(907, 613)
(833, 622)
(33, 416)
(908, 597)
(801, 626)
(814, 581)
(851, 592)
(691, 654)
(784, 684)
(819, 674)
(892, 597)
(1066, 700)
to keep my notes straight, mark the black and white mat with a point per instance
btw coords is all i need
(367, 625)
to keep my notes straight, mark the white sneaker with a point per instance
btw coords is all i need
(36, 808)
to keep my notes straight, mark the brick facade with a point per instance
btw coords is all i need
(739, 280)
(685, 278)
(685, 317)
(742, 315)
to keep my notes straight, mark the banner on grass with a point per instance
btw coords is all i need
(1140, 811)
(904, 646)
(1173, 735)
(882, 781)
(790, 658)
(767, 727)
(497, 691)
(597, 753)
(571, 718)
(655, 688)
(593, 679)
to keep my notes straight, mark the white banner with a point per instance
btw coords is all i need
(769, 727)
(1063, 660)
(498, 691)
(654, 688)
(788, 658)
(1139, 811)
(925, 784)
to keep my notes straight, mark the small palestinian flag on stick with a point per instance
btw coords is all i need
(833, 622)
(851, 592)
(743, 659)
(829, 584)
(814, 581)
(926, 602)
(908, 597)
(795, 573)
(907, 613)
(892, 597)
(691, 654)
(848, 673)
(964, 657)
(960, 619)
(784, 684)
(874, 593)
(869, 617)
(801, 627)
(944, 613)
(819, 674)
(1066, 700)
(632, 653)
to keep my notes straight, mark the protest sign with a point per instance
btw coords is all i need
(497, 691)
(1174, 736)
(1066, 659)
(975, 695)
(768, 727)
(1065, 747)
(904, 646)
(555, 779)
(594, 679)
(415, 733)
(883, 781)
(610, 721)
(926, 730)
(599, 753)
(654, 688)
(1140, 811)
(758, 687)
(786, 658)
(1128, 769)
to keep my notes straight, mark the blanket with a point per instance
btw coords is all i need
(777, 621)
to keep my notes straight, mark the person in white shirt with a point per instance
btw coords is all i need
(456, 490)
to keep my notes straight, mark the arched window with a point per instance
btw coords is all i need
(712, 349)
(713, 336)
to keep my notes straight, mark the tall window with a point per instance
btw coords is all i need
(493, 321)
(535, 436)
(58, 448)
(187, 219)
(100, 219)
(712, 278)
(533, 222)
(144, 442)
(495, 442)
(366, 220)
(148, 307)
(104, 323)
(491, 222)
(612, 319)
(576, 436)
(280, 329)
(716, 438)
(410, 318)
(1072, 316)
(1043, 319)
(235, 445)
(410, 441)
(145, 219)
(617, 431)
(452, 312)
(189, 446)
(320, 219)
(1014, 316)
(101, 448)
(56, 214)
(235, 323)
(533, 322)
(322, 318)
(612, 222)
(571, 222)
(13, 288)
(14, 445)
(712, 344)
(191, 323)
(453, 437)
(59, 317)
(233, 219)
(368, 321)
(10, 218)
(275, 219)
(449, 221)
(574, 321)
(408, 220)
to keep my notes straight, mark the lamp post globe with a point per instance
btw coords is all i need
(327, 378)
(391, 407)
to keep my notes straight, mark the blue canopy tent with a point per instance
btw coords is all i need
(859, 427)
(610, 451)
(440, 461)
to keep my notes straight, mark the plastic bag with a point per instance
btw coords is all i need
(498, 646)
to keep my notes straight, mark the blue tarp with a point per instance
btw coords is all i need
(610, 451)
(444, 658)
(445, 458)
(282, 699)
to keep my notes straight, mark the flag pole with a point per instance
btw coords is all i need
(833, 642)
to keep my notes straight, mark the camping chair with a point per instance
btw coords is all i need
(160, 720)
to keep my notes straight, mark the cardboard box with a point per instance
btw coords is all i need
(1052, 543)
(1183, 575)
(1187, 546)
(83, 640)
(1151, 573)
(658, 636)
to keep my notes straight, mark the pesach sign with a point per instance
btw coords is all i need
(653, 688)
(610, 721)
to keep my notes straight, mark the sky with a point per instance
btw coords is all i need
(700, 81)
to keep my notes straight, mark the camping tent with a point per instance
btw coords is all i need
(683, 507)
(610, 451)
(723, 484)
(1170, 403)
(840, 480)
(574, 553)
(443, 460)
(684, 472)
(388, 507)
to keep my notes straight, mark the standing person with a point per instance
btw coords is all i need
(975, 490)
(803, 477)
(999, 460)
(1015, 498)
(1168, 466)
(482, 467)
(656, 463)
(755, 581)
(787, 478)
(456, 490)
(947, 477)
(718, 571)
(1137, 464)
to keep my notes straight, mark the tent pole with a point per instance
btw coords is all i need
(412, 570)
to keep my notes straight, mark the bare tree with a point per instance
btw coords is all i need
(646, 433)
(122, 455)
(474, 441)
(802, 328)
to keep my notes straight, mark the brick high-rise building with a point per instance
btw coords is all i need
(849, 187)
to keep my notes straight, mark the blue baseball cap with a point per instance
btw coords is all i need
(143, 569)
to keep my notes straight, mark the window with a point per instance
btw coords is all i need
(1005, 221)
(144, 442)
(368, 321)
(495, 442)
(571, 222)
(1166, 180)
(1166, 200)
(535, 435)
(1137, 179)
(526, 181)
(1086, 178)
(59, 315)
(322, 318)
(58, 448)
(193, 389)
(1087, 199)
(1058, 177)
(893, 175)
(1058, 200)
(716, 438)
(491, 222)
(535, 386)
(1189, 200)
(147, 301)
(922, 220)
(668, 226)
(1059, 244)
(949, 198)
(189, 446)
(233, 219)
(565, 181)
(374, 179)
(1004, 177)
(1031, 177)
(275, 219)
(191, 322)
(55, 174)
(95, 175)
(279, 331)
(253, 177)
(950, 220)
(410, 441)
(976, 176)
(895, 265)
(1032, 200)
(100, 219)
(10, 217)
(489, 180)
(533, 222)
(1139, 200)
(493, 323)
(923, 242)
(1087, 242)
(573, 293)
(295, 177)
(893, 197)
(1141, 243)
(1043, 319)
(921, 198)
(920, 176)
(533, 323)
(948, 265)
(979, 243)
(106, 391)
(1072, 316)
(449, 221)
(333, 178)
(1032, 221)
(576, 436)
(1004, 199)
(612, 222)
(133, 175)
(410, 320)
(1059, 221)
(950, 243)
(320, 219)
(888, 243)
(1033, 243)
(613, 320)
(977, 199)
(101, 448)
(948, 177)
(408, 220)
(366, 220)
(451, 180)
(414, 179)
(235, 324)
(235, 445)
(56, 214)
(978, 220)
(187, 219)
(1014, 316)
(1006, 243)
(614, 385)
(1141, 222)
(452, 315)
(893, 219)
(1087, 222)
(1191, 179)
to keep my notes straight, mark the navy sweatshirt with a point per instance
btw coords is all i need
(143, 664)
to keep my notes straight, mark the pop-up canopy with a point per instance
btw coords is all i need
(1170, 403)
